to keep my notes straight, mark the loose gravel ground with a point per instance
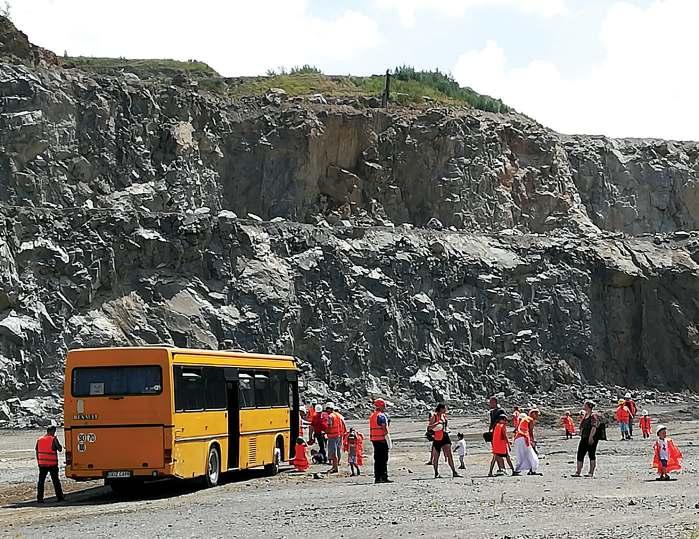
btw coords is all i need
(623, 501)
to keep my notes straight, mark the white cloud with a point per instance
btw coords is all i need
(236, 38)
(408, 10)
(645, 86)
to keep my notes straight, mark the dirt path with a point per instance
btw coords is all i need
(624, 501)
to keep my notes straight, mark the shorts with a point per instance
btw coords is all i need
(334, 448)
(624, 427)
(586, 449)
(502, 455)
(663, 462)
(438, 445)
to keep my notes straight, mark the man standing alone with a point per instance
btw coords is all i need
(47, 448)
(378, 434)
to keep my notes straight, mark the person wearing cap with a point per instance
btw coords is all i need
(379, 424)
(622, 416)
(500, 445)
(47, 449)
(335, 432)
(631, 405)
(525, 444)
(588, 440)
(666, 455)
(645, 424)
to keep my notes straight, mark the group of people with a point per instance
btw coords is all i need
(592, 428)
(327, 428)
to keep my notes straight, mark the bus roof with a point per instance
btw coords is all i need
(188, 351)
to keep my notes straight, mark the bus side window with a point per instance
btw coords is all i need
(216, 396)
(277, 380)
(189, 388)
(263, 390)
(247, 390)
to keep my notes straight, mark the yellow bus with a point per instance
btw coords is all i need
(137, 414)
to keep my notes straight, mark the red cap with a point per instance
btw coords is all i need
(380, 403)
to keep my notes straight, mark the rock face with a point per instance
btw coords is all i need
(417, 253)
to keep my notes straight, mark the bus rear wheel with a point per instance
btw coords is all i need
(213, 468)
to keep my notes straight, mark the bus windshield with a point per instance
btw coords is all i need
(117, 381)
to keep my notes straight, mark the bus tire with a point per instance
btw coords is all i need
(273, 469)
(213, 467)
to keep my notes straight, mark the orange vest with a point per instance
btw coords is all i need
(300, 460)
(523, 429)
(622, 414)
(568, 424)
(337, 426)
(46, 455)
(358, 443)
(644, 423)
(310, 413)
(377, 433)
(439, 419)
(500, 443)
(674, 461)
(515, 419)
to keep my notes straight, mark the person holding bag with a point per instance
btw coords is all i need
(441, 443)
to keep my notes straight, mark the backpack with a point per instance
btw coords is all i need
(601, 432)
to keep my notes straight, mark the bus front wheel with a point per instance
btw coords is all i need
(273, 468)
(213, 468)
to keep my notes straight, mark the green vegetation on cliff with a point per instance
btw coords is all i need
(141, 67)
(408, 85)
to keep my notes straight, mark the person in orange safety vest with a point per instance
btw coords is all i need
(568, 425)
(353, 445)
(335, 432)
(666, 455)
(300, 460)
(622, 416)
(645, 423)
(379, 423)
(47, 448)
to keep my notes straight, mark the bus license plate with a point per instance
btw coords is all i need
(119, 474)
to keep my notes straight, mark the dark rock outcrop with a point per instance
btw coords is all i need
(418, 253)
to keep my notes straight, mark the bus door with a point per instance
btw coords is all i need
(294, 410)
(233, 418)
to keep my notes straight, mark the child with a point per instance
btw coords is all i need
(666, 456)
(622, 415)
(644, 423)
(500, 445)
(515, 418)
(353, 444)
(300, 460)
(461, 450)
(568, 425)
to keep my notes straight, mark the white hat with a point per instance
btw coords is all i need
(319, 408)
(644, 412)
(627, 396)
(330, 404)
(659, 428)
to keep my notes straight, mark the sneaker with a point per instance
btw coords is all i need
(515, 473)
(462, 467)
(437, 476)
(456, 474)
(491, 475)
(534, 473)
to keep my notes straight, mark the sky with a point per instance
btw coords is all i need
(622, 68)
